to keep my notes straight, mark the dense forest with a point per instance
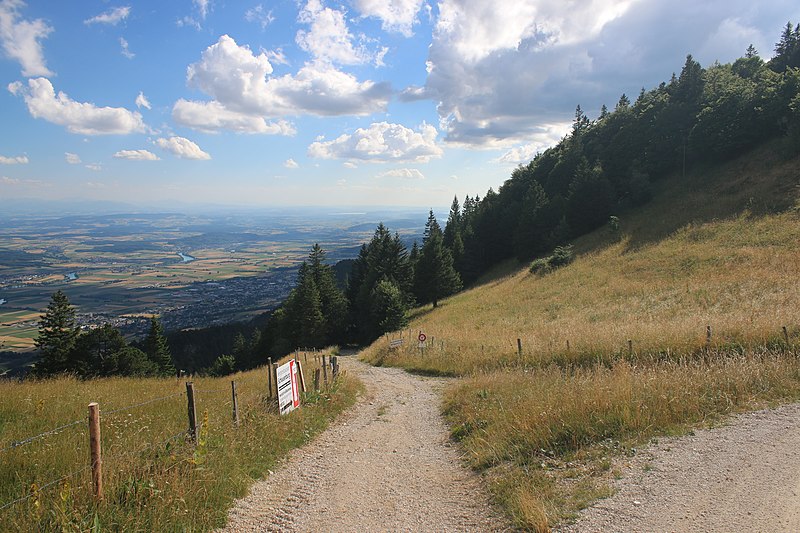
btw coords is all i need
(600, 169)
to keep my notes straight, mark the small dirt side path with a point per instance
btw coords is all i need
(744, 476)
(388, 465)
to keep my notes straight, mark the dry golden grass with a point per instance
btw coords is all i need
(720, 248)
(154, 479)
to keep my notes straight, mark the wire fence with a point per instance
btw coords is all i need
(23, 442)
(251, 397)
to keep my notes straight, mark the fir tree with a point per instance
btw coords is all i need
(58, 333)
(435, 276)
(157, 348)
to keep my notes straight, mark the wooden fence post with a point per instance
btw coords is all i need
(302, 378)
(235, 402)
(785, 335)
(519, 347)
(324, 371)
(96, 452)
(630, 347)
(334, 367)
(708, 335)
(316, 380)
(269, 375)
(275, 379)
(567, 345)
(192, 411)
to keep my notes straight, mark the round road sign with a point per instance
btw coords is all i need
(422, 337)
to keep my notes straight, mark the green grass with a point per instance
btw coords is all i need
(152, 482)
(720, 247)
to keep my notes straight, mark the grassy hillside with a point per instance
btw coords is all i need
(719, 248)
(154, 478)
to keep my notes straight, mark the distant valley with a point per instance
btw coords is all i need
(193, 270)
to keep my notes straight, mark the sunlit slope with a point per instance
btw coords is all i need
(717, 248)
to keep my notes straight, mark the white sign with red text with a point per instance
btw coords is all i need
(288, 389)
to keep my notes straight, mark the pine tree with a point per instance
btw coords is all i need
(157, 348)
(388, 304)
(435, 277)
(58, 333)
(333, 303)
(453, 225)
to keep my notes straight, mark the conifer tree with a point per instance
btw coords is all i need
(435, 276)
(58, 333)
(157, 348)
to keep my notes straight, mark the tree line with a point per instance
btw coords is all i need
(602, 167)
(65, 349)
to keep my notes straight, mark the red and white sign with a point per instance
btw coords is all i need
(422, 337)
(288, 388)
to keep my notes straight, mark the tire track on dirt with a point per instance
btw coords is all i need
(388, 465)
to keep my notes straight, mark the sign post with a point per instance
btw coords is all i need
(421, 338)
(288, 389)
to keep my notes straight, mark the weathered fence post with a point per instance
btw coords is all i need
(334, 367)
(630, 348)
(567, 345)
(96, 452)
(235, 402)
(785, 335)
(324, 371)
(519, 347)
(708, 335)
(316, 379)
(192, 411)
(274, 373)
(302, 378)
(269, 375)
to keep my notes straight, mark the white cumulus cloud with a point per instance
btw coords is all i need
(136, 155)
(381, 142)
(142, 101)
(21, 38)
(259, 15)
(18, 160)
(329, 39)
(244, 92)
(290, 163)
(78, 117)
(547, 136)
(72, 159)
(125, 50)
(182, 147)
(113, 16)
(403, 173)
(395, 15)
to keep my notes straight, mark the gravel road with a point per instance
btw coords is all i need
(744, 476)
(388, 465)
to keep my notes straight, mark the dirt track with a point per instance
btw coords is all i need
(388, 466)
(744, 476)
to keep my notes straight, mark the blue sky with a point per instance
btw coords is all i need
(312, 102)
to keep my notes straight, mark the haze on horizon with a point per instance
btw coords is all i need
(357, 102)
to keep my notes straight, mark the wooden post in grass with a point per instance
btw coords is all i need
(324, 371)
(519, 347)
(235, 402)
(630, 348)
(567, 345)
(316, 380)
(192, 411)
(786, 335)
(275, 380)
(96, 453)
(269, 375)
(302, 378)
(708, 336)
(334, 367)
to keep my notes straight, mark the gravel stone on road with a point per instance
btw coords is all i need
(387, 465)
(744, 476)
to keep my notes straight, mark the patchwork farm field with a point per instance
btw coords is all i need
(192, 270)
